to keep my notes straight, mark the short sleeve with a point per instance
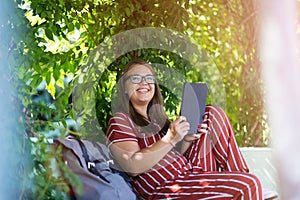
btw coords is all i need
(120, 128)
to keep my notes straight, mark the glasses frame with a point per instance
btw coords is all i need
(142, 78)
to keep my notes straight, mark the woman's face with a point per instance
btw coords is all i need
(140, 93)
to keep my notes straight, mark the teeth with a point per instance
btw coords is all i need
(143, 90)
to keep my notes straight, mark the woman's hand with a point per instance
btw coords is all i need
(202, 129)
(189, 138)
(178, 129)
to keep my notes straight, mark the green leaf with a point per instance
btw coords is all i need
(71, 27)
(56, 73)
(48, 78)
(48, 33)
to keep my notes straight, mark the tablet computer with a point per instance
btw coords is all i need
(193, 103)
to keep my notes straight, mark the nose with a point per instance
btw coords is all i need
(143, 81)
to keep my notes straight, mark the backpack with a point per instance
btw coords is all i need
(95, 168)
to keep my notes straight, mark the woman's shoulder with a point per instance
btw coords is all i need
(120, 126)
(120, 117)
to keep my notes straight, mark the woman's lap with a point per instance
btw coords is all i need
(220, 185)
(217, 148)
(219, 169)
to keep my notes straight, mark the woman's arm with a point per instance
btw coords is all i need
(135, 160)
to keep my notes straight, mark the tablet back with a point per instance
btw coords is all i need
(193, 104)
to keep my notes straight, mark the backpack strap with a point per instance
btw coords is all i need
(109, 160)
(84, 152)
(90, 164)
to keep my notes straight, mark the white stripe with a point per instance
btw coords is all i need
(150, 176)
(154, 140)
(216, 195)
(147, 183)
(144, 190)
(174, 159)
(146, 141)
(223, 180)
(239, 152)
(159, 174)
(225, 139)
(167, 171)
(121, 140)
(125, 133)
(217, 135)
(121, 126)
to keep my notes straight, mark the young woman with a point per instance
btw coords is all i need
(163, 160)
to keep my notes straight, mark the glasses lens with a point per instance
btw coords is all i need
(150, 79)
(136, 78)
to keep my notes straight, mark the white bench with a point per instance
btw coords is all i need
(260, 163)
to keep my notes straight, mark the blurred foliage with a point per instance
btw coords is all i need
(71, 53)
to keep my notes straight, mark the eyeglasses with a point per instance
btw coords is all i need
(136, 78)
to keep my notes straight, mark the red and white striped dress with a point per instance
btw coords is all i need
(212, 168)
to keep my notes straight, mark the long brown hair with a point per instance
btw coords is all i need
(156, 104)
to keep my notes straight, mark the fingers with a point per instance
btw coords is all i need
(183, 126)
(202, 128)
(180, 120)
(191, 137)
(180, 126)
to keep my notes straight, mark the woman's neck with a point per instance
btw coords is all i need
(142, 110)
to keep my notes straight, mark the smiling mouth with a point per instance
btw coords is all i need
(143, 90)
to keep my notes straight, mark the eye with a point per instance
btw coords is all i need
(150, 79)
(135, 78)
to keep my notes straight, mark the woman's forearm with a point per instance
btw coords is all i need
(136, 162)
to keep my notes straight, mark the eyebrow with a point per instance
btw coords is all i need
(141, 75)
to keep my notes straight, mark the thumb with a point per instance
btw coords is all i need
(180, 119)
